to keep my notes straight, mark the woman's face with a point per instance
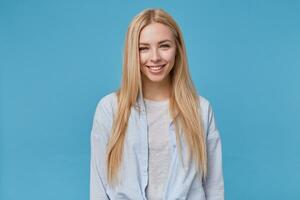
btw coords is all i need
(157, 50)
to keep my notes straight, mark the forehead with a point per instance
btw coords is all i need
(155, 32)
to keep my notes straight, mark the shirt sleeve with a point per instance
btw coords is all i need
(214, 183)
(99, 139)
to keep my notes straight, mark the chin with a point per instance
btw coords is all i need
(156, 79)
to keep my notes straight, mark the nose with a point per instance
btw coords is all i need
(155, 56)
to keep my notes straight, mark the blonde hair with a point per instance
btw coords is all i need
(184, 100)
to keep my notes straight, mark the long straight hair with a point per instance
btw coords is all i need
(184, 100)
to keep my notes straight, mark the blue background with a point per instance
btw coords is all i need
(58, 58)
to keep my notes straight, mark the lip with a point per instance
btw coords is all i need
(156, 69)
(163, 65)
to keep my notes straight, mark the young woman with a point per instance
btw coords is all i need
(155, 138)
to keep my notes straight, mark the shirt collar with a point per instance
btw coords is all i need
(140, 104)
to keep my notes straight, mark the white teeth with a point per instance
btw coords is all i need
(156, 68)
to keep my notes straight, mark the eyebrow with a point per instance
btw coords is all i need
(158, 42)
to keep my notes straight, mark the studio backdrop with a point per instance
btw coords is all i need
(59, 58)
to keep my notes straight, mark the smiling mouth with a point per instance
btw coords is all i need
(156, 67)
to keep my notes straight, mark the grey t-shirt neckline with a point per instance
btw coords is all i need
(154, 105)
(158, 120)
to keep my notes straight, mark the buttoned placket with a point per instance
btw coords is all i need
(145, 145)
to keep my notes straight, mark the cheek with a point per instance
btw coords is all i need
(143, 58)
(169, 56)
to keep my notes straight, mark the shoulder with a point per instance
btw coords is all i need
(204, 104)
(108, 102)
(207, 113)
(106, 106)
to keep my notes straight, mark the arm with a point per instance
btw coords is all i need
(99, 139)
(214, 183)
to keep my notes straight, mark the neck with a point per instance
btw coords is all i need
(156, 91)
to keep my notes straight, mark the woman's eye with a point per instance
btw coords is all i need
(165, 46)
(143, 48)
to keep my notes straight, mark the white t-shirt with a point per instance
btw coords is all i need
(158, 119)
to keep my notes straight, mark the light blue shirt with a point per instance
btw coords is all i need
(183, 182)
